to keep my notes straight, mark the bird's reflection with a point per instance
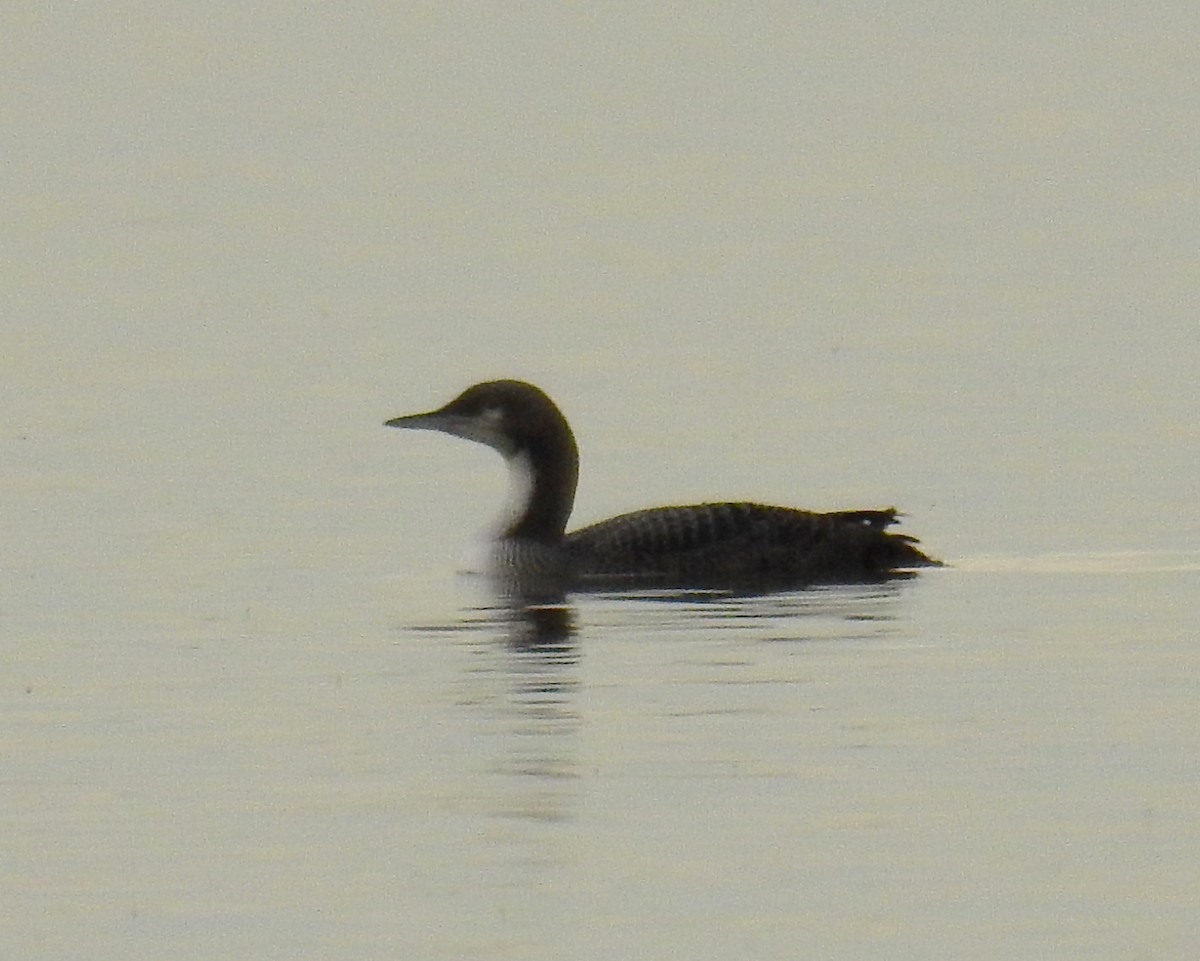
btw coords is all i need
(521, 683)
(546, 629)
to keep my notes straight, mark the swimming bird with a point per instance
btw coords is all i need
(729, 544)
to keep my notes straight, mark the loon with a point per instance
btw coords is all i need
(732, 544)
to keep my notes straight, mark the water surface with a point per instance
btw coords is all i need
(936, 258)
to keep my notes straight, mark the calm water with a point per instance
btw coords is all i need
(941, 259)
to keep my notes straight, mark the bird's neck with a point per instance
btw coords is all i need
(546, 472)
